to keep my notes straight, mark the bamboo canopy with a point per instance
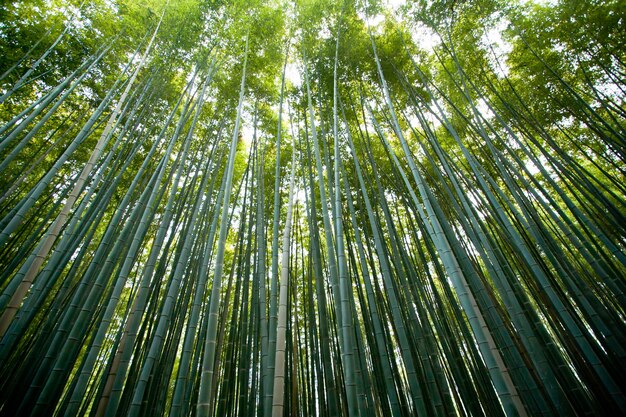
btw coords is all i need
(312, 208)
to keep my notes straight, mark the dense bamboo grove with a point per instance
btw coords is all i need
(312, 208)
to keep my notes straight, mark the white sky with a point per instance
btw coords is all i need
(292, 74)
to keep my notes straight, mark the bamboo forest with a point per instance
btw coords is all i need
(313, 208)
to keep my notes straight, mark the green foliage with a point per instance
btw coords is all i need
(456, 239)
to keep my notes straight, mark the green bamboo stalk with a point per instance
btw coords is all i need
(208, 362)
